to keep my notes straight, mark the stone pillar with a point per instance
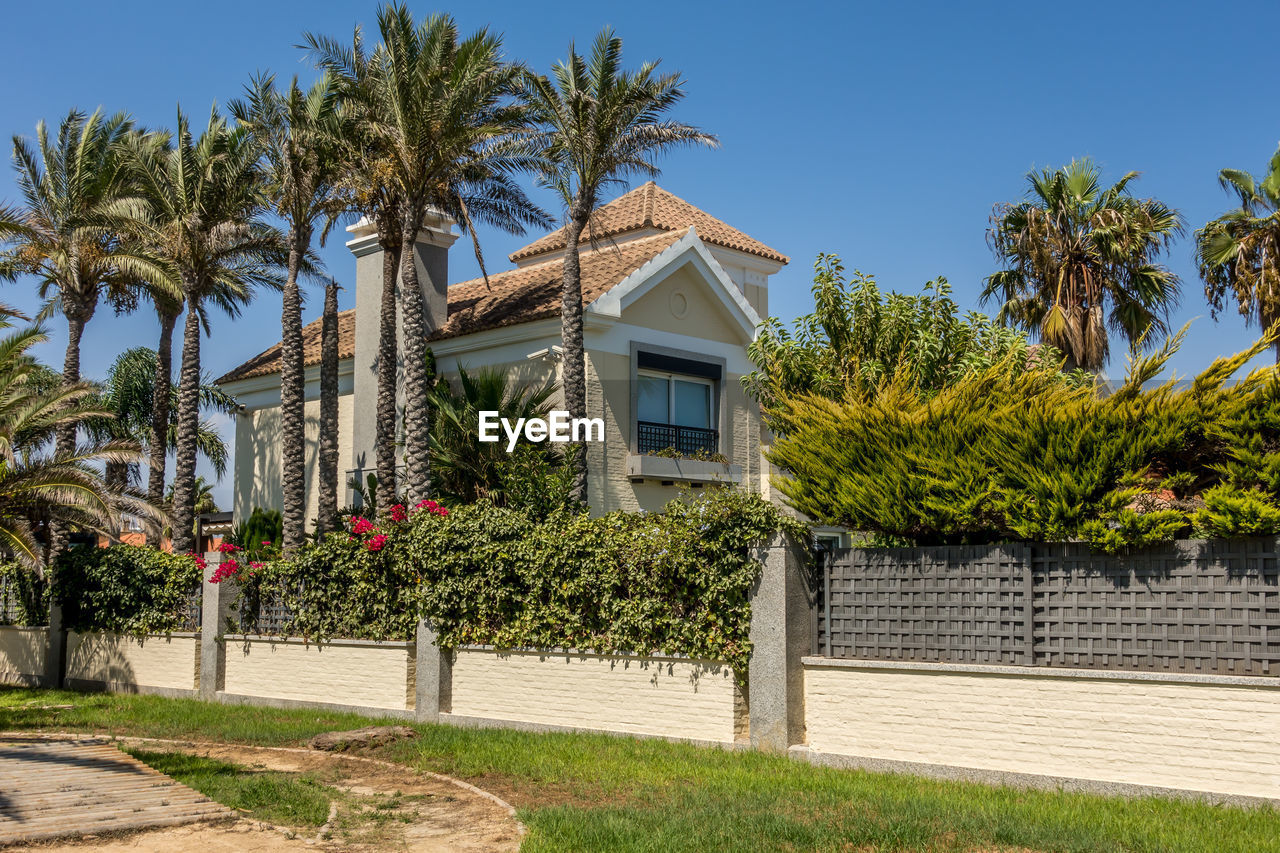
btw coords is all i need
(215, 603)
(433, 677)
(55, 661)
(781, 634)
(432, 256)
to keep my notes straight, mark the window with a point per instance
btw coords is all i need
(675, 411)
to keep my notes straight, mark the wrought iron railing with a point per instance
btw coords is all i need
(689, 441)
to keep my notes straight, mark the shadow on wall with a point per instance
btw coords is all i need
(23, 652)
(98, 661)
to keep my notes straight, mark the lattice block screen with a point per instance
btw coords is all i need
(1207, 607)
(268, 618)
(1199, 607)
(964, 604)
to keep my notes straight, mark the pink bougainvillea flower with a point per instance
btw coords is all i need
(431, 507)
(228, 548)
(376, 543)
(228, 569)
(361, 525)
(398, 513)
(266, 541)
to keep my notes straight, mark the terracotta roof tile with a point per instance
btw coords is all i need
(650, 206)
(513, 297)
(267, 363)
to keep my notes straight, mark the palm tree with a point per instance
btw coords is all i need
(72, 186)
(204, 198)
(39, 489)
(130, 394)
(462, 466)
(1082, 259)
(1239, 252)
(441, 111)
(298, 132)
(327, 500)
(598, 126)
(366, 182)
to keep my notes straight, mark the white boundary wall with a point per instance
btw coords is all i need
(358, 673)
(1205, 733)
(23, 654)
(661, 696)
(163, 662)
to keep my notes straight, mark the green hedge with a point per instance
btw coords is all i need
(125, 589)
(24, 595)
(676, 582)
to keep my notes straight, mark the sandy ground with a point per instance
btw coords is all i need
(390, 808)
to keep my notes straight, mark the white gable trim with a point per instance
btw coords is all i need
(688, 249)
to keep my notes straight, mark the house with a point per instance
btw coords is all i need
(673, 296)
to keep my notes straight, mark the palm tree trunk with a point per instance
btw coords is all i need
(293, 437)
(573, 365)
(385, 429)
(184, 466)
(416, 406)
(65, 436)
(327, 508)
(161, 393)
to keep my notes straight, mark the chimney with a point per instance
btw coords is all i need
(431, 253)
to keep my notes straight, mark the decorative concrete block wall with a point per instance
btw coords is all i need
(161, 663)
(339, 672)
(1202, 733)
(23, 654)
(662, 696)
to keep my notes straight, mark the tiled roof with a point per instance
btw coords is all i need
(513, 297)
(267, 363)
(650, 206)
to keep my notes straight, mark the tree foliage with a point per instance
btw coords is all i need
(1000, 455)
(1239, 252)
(1082, 258)
(40, 485)
(466, 469)
(859, 338)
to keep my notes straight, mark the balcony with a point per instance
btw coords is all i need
(687, 441)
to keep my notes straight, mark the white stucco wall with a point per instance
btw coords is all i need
(23, 652)
(667, 697)
(1218, 737)
(122, 662)
(344, 672)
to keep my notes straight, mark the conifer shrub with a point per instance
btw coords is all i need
(1000, 455)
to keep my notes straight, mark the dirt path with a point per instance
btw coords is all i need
(389, 807)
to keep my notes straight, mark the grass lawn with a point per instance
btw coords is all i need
(594, 792)
(287, 799)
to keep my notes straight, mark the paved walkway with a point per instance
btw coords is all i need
(51, 788)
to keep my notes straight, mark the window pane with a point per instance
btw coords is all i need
(693, 404)
(652, 405)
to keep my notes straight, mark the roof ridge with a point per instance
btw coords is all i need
(649, 193)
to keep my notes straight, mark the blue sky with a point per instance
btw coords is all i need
(881, 132)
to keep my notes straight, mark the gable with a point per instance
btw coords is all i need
(683, 303)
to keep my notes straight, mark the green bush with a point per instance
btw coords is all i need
(126, 589)
(24, 595)
(999, 456)
(676, 582)
(260, 534)
(341, 585)
(859, 338)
